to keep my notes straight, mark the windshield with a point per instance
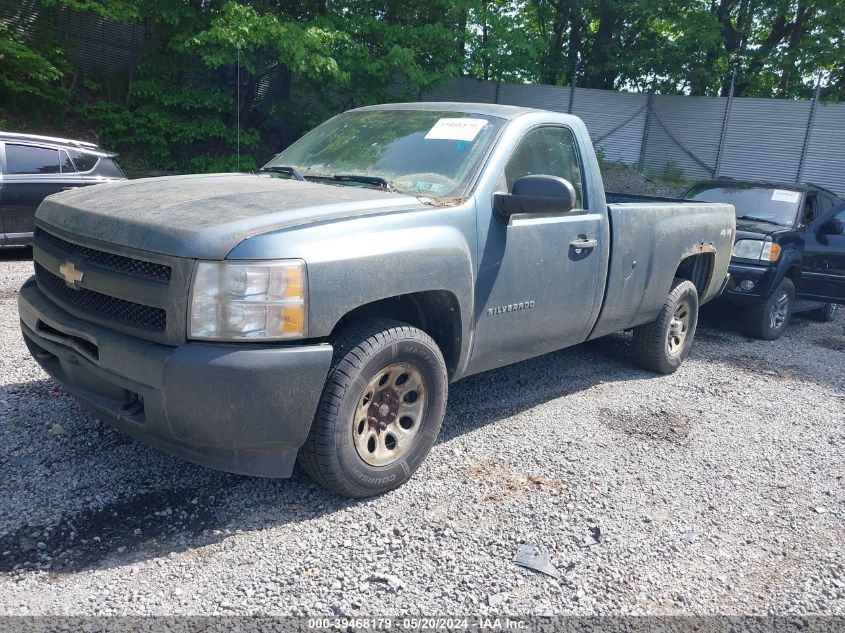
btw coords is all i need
(423, 153)
(779, 206)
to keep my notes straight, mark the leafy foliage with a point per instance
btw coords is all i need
(178, 107)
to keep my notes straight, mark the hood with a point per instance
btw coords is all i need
(206, 216)
(753, 230)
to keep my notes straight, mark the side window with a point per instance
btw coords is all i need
(808, 214)
(108, 168)
(28, 159)
(67, 164)
(547, 150)
(83, 162)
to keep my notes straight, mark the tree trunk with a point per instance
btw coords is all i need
(576, 37)
(601, 70)
(554, 54)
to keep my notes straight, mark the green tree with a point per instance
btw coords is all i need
(295, 62)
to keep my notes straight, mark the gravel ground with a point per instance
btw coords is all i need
(622, 178)
(716, 490)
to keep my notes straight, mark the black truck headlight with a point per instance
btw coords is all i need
(759, 250)
(248, 301)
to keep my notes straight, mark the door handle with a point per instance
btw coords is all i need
(68, 188)
(582, 242)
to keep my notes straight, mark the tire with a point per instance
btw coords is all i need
(358, 448)
(662, 345)
(825, 314)
(769, 320)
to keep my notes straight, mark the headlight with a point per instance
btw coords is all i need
(771, 252)
(248, 300)
(748, 249)
(757, 250)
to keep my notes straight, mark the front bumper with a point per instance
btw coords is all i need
(763, 278)
(240, 408)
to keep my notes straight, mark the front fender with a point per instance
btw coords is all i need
(355, 262)
(791, 258)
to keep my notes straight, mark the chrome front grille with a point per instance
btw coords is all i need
(137, 292)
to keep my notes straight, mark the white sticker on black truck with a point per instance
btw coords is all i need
(460, 129)
(783, 195)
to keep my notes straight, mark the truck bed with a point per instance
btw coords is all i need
(614, 197)
(648, 237)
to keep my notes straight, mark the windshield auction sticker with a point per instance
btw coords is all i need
(782, 195)
(460, 129)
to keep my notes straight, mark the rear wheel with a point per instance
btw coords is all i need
(380, 411)
(663, 344)
(825, 314)
(769, 320)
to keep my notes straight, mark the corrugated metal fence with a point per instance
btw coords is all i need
(703, 137)
(97, 46)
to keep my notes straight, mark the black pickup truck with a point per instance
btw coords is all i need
(789, 254)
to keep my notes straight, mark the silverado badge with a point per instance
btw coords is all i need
(71, 274)
(512, 307)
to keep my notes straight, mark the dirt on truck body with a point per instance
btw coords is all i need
(319, 309)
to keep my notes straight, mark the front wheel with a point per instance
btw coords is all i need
(381, 409)
(662, 345)
(769, 320)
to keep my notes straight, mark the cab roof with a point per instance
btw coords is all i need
(488, 109)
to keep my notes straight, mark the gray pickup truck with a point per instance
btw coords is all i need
(320, 308)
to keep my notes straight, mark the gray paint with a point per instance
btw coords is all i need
(195, 403)
(206, 216)
(363, 245)
(655, 236)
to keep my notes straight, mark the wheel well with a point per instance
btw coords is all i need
(697, 269)
(794, 272)
(435, 312)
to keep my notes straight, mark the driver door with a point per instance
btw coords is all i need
(823, 262)
(535, 291)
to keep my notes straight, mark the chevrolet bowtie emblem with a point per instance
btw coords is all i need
(71, 275)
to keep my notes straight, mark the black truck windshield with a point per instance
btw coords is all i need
(416, 152)
(779, 206)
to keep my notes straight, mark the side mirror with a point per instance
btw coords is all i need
(537, 194)
(832, 227)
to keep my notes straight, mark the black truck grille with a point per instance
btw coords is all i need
(134, 314)
(128, 265)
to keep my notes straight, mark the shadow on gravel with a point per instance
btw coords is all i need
(168, 516)
(144, 522)
(192, 507)
(486, 398)
(720, 330)
(15, 253)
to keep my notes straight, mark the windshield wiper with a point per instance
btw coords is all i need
(290, 170)
(752, 218)
(368, 180)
